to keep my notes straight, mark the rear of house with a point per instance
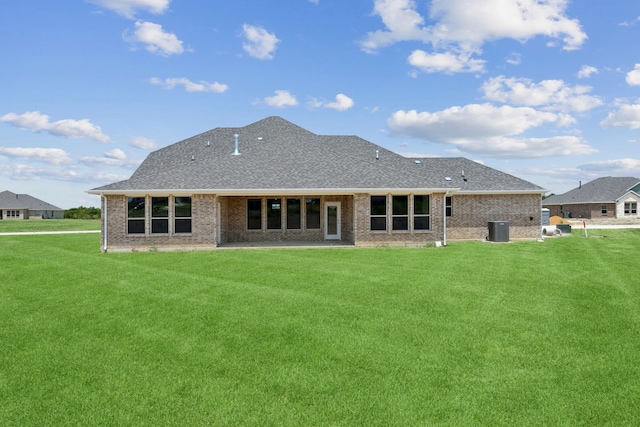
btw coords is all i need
(603, 198)
(23, 206)
(273, 181)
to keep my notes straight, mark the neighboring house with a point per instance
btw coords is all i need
(272, 181)
(24, 206)
(608, 197)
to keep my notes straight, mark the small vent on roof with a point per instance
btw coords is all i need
(377, 154)
(259, 138)
(208, 144)
(447, 178)
(193, 158)
(237, 151)
(417, 162)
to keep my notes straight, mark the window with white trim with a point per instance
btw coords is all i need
(136, 215)
(182, 213)
(274, 214)
(421, 213)
(312, 213)
(630, 208)
(159, 215)
(400, 213)
(378, 213)
(254, 214)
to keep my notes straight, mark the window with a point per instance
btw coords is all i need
(135, 215)
(630, 208)
(293, 214)
(400, 213)
(603, 209)
(313, 213)
(159, 215)
(378, 213)
(274, 214)
(182, 212)
(448, 205)
(421, 213)
(254, 214)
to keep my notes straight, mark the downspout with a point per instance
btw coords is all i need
(104, 221)
(444, 218)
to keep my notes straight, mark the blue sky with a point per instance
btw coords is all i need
(547, 90)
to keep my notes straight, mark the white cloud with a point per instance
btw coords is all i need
(461, 27)
(282, 98)
(116, 153)
(633, 77)
(446, 62)
(114, 157)
(342, 102)
(626, 116)
(69, 128)
(587, 71)
(143, 143)
(54, 156)
(476, 22)
(402, 21)
(628, 166)
(553, 95)
(20, 172)
(127, 8)
(155, 39)
(259, 42)
(189, 86)
(514, 59)
(488, 130)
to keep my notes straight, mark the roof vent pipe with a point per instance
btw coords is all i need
(236, 152)
(377, 154)
(580, 184)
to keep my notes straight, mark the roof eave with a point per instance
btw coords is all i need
(273, 191)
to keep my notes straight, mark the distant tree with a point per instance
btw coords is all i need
(548, 195)
(82, 213)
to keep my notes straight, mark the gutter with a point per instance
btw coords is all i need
(271, 191)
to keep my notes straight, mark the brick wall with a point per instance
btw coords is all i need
(235, 221)
(585, 210)
(365, 237)
(472, 213)
(203, 226)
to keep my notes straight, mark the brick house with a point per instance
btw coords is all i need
(24, 206)
(606, 197)
(272, 181)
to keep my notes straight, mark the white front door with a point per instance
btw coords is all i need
(332, 221)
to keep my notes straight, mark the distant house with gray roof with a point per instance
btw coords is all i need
(24, 206)
(273, 181)
(606, 197)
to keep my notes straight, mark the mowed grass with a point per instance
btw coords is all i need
(524, 333)
(38, 225)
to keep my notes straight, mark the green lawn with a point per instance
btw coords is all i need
(524, 333)
(35, 225)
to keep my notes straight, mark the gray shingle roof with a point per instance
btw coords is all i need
(601, 190)
(9, 200)
(278, 155)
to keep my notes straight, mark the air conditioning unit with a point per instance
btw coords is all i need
(498, 231)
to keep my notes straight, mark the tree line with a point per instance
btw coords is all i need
(82, 213)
